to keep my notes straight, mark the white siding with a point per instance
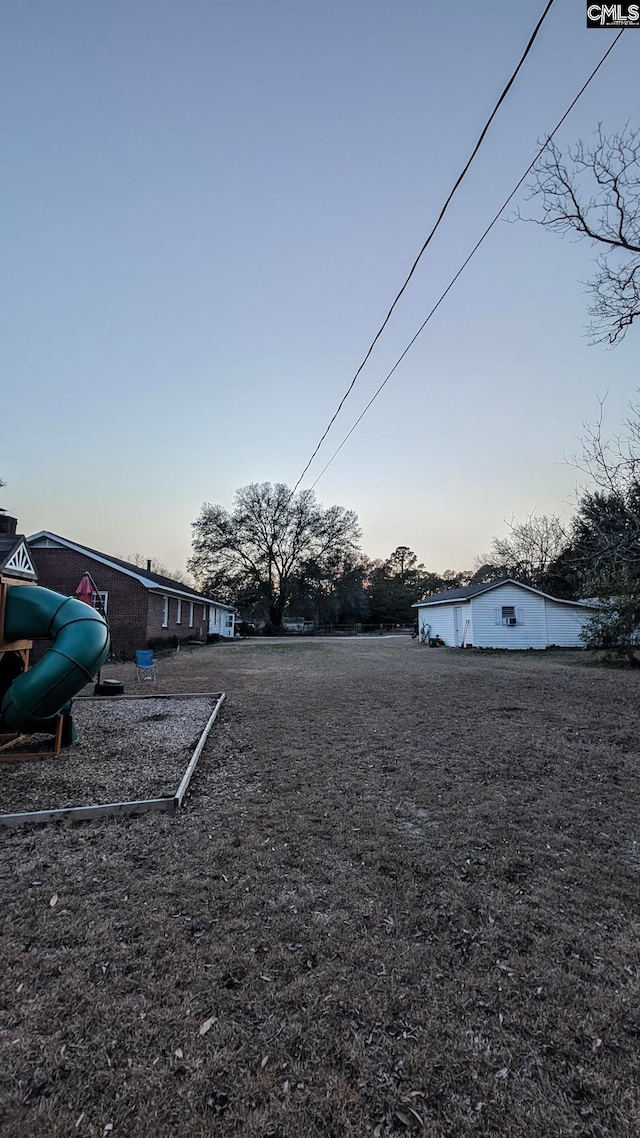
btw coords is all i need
(490, 632)
(441, 621)
(564, 624)
(539, 621)
(221, 621)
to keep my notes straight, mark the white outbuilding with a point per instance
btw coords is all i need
(502, 614)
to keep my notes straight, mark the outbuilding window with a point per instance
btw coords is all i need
(178, 611)
(190, 614)
(509, 616)
(165, 612)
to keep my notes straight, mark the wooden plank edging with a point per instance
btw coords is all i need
(135, 806)
(186, 778)
(82, 813)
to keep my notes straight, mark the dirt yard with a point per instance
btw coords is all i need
(402, 898)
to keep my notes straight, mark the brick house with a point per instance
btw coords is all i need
(144, 609)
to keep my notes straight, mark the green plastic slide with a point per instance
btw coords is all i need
(80, 647)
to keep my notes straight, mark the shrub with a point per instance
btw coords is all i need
(615, 627)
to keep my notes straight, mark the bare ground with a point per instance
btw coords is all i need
(402, 899)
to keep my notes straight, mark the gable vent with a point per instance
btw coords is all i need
(20, 562)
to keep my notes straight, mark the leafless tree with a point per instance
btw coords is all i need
(272, 542)
(530, 547)
(595, 193)
(607, 526)
(159, 567)
(611, 463)
(606, 533)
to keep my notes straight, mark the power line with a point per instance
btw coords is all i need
(471, 254)
(444, 209)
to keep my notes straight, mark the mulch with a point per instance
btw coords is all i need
(127, 749)
(401, 899)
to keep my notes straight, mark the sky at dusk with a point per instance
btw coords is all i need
(208, 208)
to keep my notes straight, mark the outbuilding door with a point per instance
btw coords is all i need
(458, 625)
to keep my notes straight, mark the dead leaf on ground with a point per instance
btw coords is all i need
(264, 1062)
(54, 901)
(204, 1027)
(417, 1116)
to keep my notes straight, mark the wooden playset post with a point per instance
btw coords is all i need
(9, 739)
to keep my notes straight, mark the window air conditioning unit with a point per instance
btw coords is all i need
(511, 621)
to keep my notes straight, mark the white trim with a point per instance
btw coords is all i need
(47, 543)
(190, 614)
(104, 599)
(165, 612)
(174, 592)
(179, 610)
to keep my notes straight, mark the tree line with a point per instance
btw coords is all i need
(276, 552)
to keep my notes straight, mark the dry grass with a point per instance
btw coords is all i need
(402, 898)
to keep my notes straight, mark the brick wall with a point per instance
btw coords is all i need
(62, 571)
(174, 632)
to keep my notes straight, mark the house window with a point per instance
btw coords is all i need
(178, 611)
(100, 601)
(205, 613)
(165, 612)
(509, 615)
(229, 621)
(190, 614)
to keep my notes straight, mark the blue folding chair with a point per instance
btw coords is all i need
(145, 665)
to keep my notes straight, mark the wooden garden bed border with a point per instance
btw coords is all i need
(136, 806)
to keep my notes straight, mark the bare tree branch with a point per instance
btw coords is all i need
(596, 195)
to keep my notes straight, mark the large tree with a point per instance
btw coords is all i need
(606, 534)
(528, 552)
(336, 596)
(605, 549)
(270, 545)
(595, 193)
(394, 585)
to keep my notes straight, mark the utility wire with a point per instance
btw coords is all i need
(444, 209)
(471, 254)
